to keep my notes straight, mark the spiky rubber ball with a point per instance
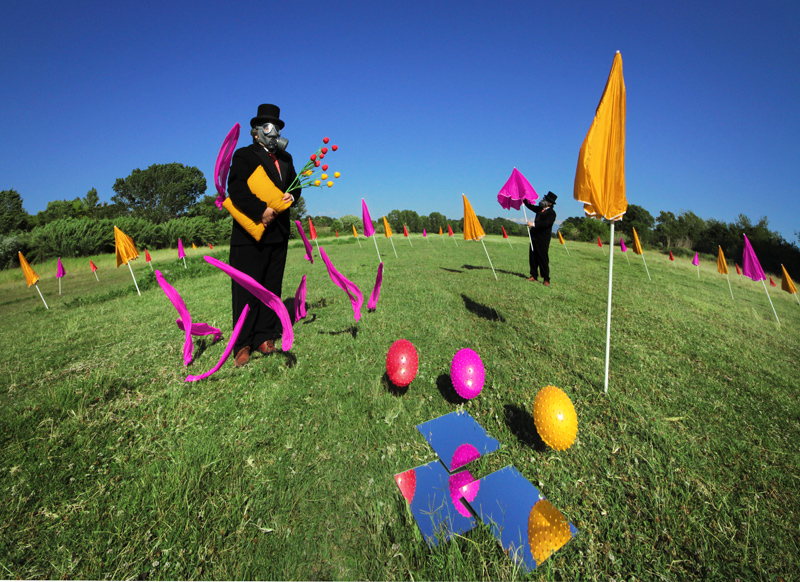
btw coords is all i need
(467, 373)
(548, 530)
(555, 418)
(402, 363)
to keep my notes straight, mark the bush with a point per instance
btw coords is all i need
(9, 247)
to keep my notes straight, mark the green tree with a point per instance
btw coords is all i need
(348, 220)
(161, 192)
(640, 219)
(207, 207)
(667, 228)
(12, 215)
(296, 212)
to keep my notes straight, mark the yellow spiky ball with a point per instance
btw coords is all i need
(548, 530)
(555, 418)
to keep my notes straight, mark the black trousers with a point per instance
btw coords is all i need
(539, 259)
(265, 263)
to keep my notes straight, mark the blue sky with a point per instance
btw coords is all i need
(425, 100)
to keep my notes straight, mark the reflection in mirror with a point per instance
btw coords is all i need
(457, 439)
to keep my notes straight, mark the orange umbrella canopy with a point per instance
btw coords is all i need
(386, 228)
(30, 275)
(722, 264)
(472, 228)
(125, 248)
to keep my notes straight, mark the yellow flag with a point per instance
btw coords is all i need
(561, 238)
(194, 246)
(355, 234)
(30, 275)
(126, 250)
(386, 228)
(472, 228)
(787, 284)
(637, 246)
(600, 177)
(722, 265)
(440, 231)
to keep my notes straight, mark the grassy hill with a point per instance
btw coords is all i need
(112, 466)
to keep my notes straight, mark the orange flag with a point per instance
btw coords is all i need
(440, 231)
(355, 234)
(787, 284)
(30, 275)
(722, 264)
(637, 246)
(561, 238)
(472, 227)
(386, 228)
(126, 250)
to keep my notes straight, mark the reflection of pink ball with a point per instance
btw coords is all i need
(402, 363)
(463, 485)
(466, 373)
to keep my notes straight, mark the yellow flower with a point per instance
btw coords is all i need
(324, 176)
(336, 174)
(309, 172)
(330, 184)
(317, 183)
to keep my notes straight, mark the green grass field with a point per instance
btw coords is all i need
(111, 466)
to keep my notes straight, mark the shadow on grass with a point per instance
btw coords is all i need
(522, 426)
(476, 268)
(481, 310)
(451, 270)
(445, 386)
(391, 387)
(352, 330)
(201, 346)
(291, 359)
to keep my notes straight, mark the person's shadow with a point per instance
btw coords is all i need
(522, 426)
(481, 310)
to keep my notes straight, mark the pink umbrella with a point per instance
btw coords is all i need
(352, 290)
(369, 229)
(376, 291)
(752, 269)
(181, 254)
(300, 301)
(60, 273)
(515, 190)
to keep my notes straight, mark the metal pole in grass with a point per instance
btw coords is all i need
(770, 302)
(529, 228)
(490, 259)
(134, 278)
(608, 315)
(42, 296)
(729, 285)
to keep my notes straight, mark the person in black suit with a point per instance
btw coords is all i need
(541, 232)
(264, 260)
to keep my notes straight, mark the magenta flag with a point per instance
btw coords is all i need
(309, 252)
(224, 163)
(181, 254)
(373, 299)
(424, 233)
(352, 290)
(265, 295)
(186, 318)
(696, 260)
(369, 229)
(228, 349)
(200, 329)
(60, 272)
(515, 190)
(622, 245)
(300, 301)
(750, 265)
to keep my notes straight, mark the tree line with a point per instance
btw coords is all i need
(157, 205)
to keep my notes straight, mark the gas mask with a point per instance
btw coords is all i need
(269, 136)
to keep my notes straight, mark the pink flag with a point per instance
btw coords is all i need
(353, 292)
(60, 270)
(373, 299)
(772, 283)
(424, 233)
(185, 316)
(515, 190)
(300, 301)
(750, 265)
(147, 258)
(309, 252)
(224, 163)
(369, 229)
(267, 297)
(181, 254)
(92, 265)
(228, 349)
(622, 245)
(696, 260)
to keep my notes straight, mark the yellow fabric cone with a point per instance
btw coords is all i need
(561, 238)
(440, 231)
(472, 228)
(126, 250)
(600, 177)
(787, 284)
(722, 264)
(637, 246)
(30, 275)
(386, 228)
(355, 234)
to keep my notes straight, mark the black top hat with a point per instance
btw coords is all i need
(267, 113)
(551, 198)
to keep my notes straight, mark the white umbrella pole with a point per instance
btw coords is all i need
(59, 285)
(184, 264)
(490, 260)
(454, 240)
(42, 296)
(315, 240)
(729, 284)
(374, 239)
(528, 227)
(96, 277)
(770, 302)
(134, 278)
(796, 297)
(608, 315)
(394, 249)
(645, 265)
(627, 259)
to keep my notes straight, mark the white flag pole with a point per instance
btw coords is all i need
(645, 267)
(602, 248)
(608, 315)
(566, 249)
(409, 241)
(59, 285)
(96, 277)
(698, 271)
(134, 278)
(796, 297)
(42, 296)
(184, 266)
(770, 302)
(454, 240)
(627, 259)
(528, 227)
(490, 260)
(315, 240)
(729, 284)
(394, 249)
(374, 239)
(509, 243)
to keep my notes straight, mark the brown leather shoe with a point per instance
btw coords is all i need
(546, 283)
(267, 347)
(533, 279)
(242, 357)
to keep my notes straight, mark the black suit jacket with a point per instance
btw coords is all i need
(542, 229)
(245, 161)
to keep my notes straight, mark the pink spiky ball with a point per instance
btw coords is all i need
(402, 363)
(467, 373)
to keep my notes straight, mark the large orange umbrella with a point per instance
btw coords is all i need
(600, 176)
(126, 252)
(722, 268)
(473, 229)
(387, 230)
(31, 278)
(788, 285)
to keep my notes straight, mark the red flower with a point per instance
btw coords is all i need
(324, 150)
(325, 168)
(316, 163)
(313, 157)
(325, 140)
(334, 147)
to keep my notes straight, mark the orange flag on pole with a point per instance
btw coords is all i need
(473, 229)
(31, 278)
(788, 285)
(126, 252)
(355, 234)
(722, 268)
(561, 241)
(387, 231)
